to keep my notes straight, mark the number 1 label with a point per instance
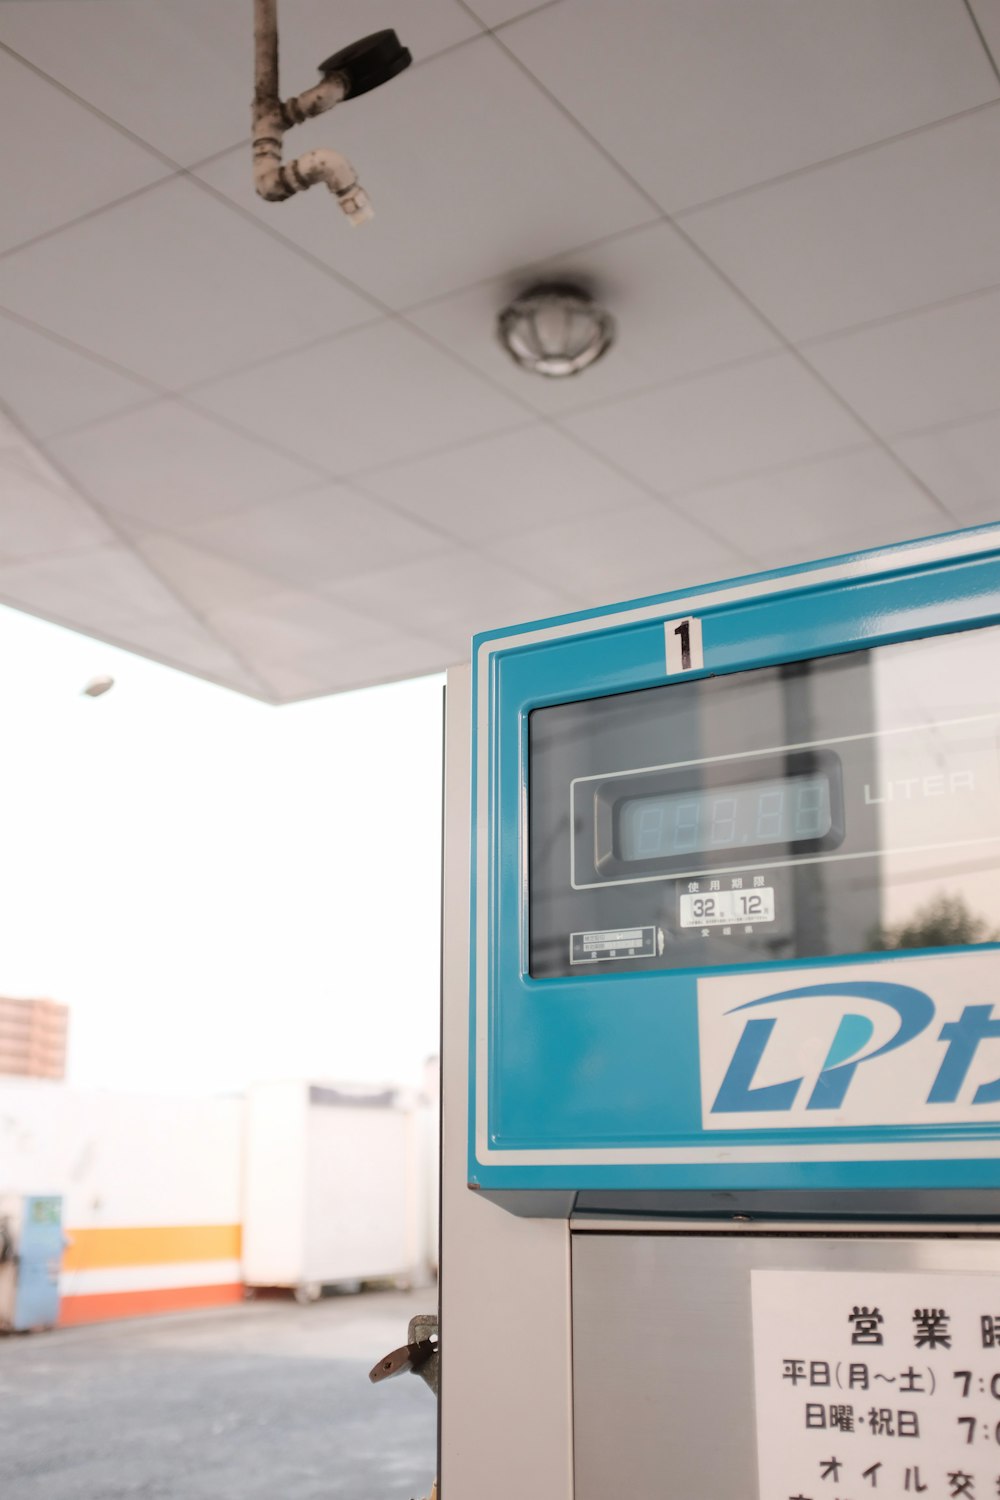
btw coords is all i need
(684, 652)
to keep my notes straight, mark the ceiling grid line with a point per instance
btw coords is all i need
(518, 274)
(389, 313)
(974, 19)
(110, 638)
(245, 142)
(841, 156)
(766, 471)
(953, 424)
(386, 311)
(576, 600)
(54, 337)
(366, 532)
(112, 522)
(91, 109)
(204, 619)
(817, 340)
(773, 328)
(350, 485)
(91, 213)
(661, 497)
(147, 145)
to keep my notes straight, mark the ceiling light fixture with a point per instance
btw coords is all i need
(555, 329)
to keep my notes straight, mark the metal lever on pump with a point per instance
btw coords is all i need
(420, 1355)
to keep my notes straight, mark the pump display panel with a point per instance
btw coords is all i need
(736, 888)
(845, 804)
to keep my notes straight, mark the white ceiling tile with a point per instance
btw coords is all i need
(60, 160)
(451, 596)
(470, 169)
(361, 664)
(179, 73)
(403, 655)
(942, 365)
(470, 513)
(290, 684)
(201, 579)
(875, 532)
(165, 466)
(702, 97)
(844, 502)
(102, 589)
(176, 287)
(189, 646)
(39, 514)
(645, 549)
(498, 12)
(52, 388)
(893, 229)
(719, 426)
(507, 484)
(961, 465)
(642, 549)
(291, 626)
(372, 397)
(315, 537)
(674, 316)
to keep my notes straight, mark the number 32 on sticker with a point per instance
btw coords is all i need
(684, 653)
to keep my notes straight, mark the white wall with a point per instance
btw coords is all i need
(122, 1159)
(322, 1194)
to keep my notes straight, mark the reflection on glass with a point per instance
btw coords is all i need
(946, 921)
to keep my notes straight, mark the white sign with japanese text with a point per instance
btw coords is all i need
(884, 1382)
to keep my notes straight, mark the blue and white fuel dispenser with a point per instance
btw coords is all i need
(31, 1248)
(722, 1038)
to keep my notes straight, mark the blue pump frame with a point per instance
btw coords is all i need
(574, 1081)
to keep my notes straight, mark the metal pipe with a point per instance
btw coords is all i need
(265, 17)
(274, 180)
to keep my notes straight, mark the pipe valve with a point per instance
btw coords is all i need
(354, 70)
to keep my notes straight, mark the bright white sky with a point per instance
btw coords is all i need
(220, 890)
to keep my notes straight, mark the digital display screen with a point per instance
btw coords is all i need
(782, 810)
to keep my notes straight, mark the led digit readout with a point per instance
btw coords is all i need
(784, 810)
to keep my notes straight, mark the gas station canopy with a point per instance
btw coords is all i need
(245, 440)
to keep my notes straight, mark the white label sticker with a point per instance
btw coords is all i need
(614, 942)
(684, 653)
(884, 1381)
(727, 906)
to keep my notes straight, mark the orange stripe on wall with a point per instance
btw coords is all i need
(99, 1307)
(150, 1245)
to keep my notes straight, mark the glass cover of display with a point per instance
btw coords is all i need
(848, 804)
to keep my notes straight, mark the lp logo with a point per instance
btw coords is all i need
(805, 1058)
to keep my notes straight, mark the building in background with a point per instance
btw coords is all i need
(176, 1202)
(33, 1038)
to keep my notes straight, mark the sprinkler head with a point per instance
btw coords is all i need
(368, 63)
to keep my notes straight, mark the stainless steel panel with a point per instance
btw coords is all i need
(506, 1406)
(663, 1355)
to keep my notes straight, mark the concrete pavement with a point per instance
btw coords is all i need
(265, 1399)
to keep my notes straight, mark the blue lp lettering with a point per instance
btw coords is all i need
(851, 1052)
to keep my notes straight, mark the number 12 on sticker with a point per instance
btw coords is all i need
(683, 638)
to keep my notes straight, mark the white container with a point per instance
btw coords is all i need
(336, 1187)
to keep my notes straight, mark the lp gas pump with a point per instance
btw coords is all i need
(721, 1102)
